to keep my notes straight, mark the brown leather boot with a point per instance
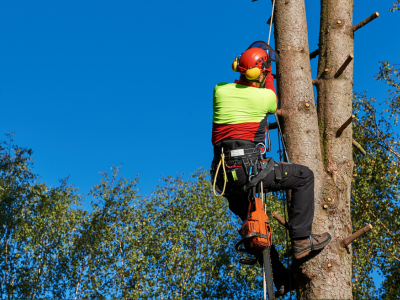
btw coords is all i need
(314, 242)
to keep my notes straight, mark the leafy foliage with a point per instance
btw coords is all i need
(396, 6)
(175, 244)
(375, 199)
(36, 224)
(391, 75)
(178, 243)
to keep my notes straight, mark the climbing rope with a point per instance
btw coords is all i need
(270, 25)
(284, 199)
(281, 153)
(281, 140)
(221, 161)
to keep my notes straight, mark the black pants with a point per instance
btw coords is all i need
(301, 210)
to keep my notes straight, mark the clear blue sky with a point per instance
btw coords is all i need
(91, 84)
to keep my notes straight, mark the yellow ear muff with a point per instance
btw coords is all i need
(253, 73)
(235, 65)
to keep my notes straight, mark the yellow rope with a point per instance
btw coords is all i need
(222, 161)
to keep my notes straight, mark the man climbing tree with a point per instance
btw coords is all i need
(240, 117)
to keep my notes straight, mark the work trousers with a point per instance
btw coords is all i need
(298, 178)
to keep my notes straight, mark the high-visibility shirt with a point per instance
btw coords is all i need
(240, 111)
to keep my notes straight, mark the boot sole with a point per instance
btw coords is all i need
(305, 251)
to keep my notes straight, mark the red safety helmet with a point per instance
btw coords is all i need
(255, 60)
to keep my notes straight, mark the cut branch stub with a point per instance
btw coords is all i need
(344, 65)
(315, 82)
(279, 112)
(366, 21)
(345, 124)
(355, 235)
(281, 220)
(269, 20)
(358, 146)
(314, 54)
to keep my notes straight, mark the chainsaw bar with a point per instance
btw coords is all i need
(268, 276)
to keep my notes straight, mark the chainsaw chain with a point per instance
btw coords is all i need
(271, 275)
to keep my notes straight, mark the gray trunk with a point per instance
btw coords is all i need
(310, 133)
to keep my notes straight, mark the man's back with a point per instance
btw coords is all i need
(240, 111)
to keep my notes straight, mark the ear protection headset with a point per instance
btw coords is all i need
(235, 65)
(253, 73)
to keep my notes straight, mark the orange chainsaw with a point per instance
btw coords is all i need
(257, 239)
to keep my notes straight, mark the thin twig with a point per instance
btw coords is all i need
(378, 219)
(384, 144)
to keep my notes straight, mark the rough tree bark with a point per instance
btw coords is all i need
(310, 133)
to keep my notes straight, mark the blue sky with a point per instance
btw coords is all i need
(91, 84)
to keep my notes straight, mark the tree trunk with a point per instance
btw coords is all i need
(310, 134)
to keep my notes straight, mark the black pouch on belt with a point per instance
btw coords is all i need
(236, 177)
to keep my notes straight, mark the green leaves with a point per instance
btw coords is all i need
(36, 223)
(390, 74)
(396, 6)
(375, 199)
(178, 243)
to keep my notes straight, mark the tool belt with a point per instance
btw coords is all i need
(245, 154)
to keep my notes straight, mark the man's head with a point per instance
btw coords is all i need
(252, 63)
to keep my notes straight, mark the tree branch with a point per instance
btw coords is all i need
(79, 282)
(378, 137)
(358, 146)
(366, 21)
(314, 54)
(344, 65)
(394, 256)
(350, 238)
(345, 124)
(378, 219)
(281, 220)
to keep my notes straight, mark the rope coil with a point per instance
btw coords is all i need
(221, 161)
